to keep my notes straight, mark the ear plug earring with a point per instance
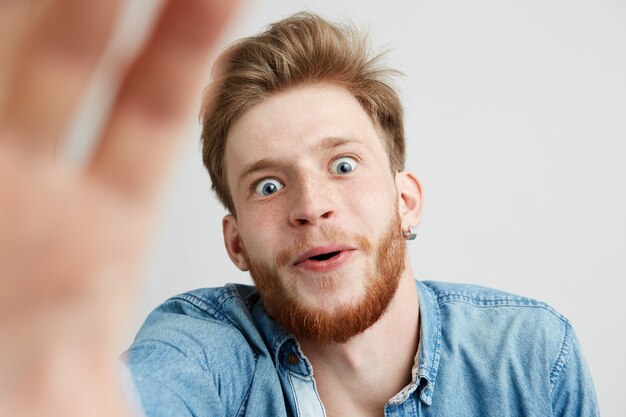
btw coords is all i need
(410, 234)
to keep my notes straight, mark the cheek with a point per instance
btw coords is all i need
(259, 235)
(373, 196)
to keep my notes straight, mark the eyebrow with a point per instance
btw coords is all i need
(260, 165)
(266, 163)
(334, 142)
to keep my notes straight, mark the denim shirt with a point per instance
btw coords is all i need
(216, 352)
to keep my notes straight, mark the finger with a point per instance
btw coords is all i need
(51, 70)
(14, 16)
(156, 96)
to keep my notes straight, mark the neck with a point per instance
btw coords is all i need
(368, 370)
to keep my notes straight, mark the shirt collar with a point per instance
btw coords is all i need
(283, 347)
(430, 341)
(281, 344)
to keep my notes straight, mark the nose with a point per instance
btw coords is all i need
(312, 204)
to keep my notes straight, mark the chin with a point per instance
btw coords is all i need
(328, 295)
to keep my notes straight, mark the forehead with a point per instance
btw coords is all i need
(294, 121)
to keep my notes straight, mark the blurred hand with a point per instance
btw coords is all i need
(71, 240)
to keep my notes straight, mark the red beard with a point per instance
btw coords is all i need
(347, 320)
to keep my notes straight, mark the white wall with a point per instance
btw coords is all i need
(516, 125)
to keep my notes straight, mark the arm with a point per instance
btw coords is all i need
(573, 394)
(71, 239)
(161, 381)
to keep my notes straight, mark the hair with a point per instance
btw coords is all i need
(303, 49)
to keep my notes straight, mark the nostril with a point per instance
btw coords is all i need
(309, 217)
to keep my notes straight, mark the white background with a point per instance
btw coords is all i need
(516, 126)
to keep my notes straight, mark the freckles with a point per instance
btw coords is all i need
(254, 224)
(264, 223)
(261, 225)
(373, 198)
(371, 190)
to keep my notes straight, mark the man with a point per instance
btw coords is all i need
(304, 141)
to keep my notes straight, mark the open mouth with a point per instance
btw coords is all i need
(325, 256)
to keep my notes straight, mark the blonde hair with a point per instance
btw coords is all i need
(301, 49)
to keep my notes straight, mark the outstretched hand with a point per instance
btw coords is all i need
(71, 240)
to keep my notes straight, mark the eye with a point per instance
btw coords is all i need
(267, 186)
(343, 165)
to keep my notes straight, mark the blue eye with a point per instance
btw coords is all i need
(267, 186)
(343, 165)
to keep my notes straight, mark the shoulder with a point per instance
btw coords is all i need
(476, 296)
(202, 340)
(527, 332)
(518, 346)
(200, 321)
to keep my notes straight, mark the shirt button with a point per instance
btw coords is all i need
(293, 358)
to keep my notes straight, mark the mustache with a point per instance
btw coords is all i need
(322, 236)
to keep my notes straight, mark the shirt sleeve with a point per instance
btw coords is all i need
(129, 393)
(164, 383)
(573, 394)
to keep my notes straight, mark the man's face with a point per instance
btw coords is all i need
(317, 212)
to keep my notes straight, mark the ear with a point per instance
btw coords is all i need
(409, 198)
(232, 241)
